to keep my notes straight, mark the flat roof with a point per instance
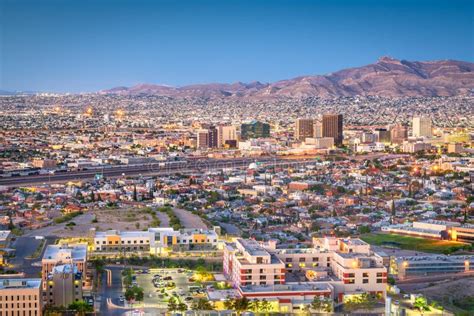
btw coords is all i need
(4, 234)
(74, 252)
(20, 283)
(288, 287)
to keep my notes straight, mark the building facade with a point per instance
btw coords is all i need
(254, 129)
(304, 128)
(20, 297)
(421, 126)
(333, 127)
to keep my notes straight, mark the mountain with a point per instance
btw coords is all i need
(388, 77)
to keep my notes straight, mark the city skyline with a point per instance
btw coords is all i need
(85, 47)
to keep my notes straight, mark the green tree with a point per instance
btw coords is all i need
(421, 305)
(321, 304)
(229, 303)
(202, 304)
(134, 293)
(81, 307)
(254, 305)
(241, 305)
(182, 307)
(172, 306)
(265, 306)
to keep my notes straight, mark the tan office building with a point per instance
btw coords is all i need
(20, 297)
(333, 127)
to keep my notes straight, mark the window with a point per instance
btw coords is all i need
(263, 277)
(351, 281)
(379, 280)
(288, 260)
(379, 274)
(315, 259)
(365, 281)
(365, 275)
(351, 275)
(302, 259)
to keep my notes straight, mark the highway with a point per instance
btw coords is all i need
(146, 169)
(172, 167)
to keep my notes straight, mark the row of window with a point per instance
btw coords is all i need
(19, 313)
(35, 297)
(303, 259)
(12, 305)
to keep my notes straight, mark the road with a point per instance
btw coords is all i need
(188, 166)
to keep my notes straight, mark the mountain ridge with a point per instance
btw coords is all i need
(387, 77)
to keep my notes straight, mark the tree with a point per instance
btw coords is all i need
(321, 304)
(421, 305)
(81, 307)
(202, 305)
(265, 306)
(229, 303)
(182, 307)
(363, 301)
(172, 306)
(134, 293)
(254, 305)
(241, 305)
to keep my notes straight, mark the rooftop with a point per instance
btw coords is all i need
(20, 284)
(289, 287)
(66, 252)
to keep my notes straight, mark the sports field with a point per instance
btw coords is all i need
(413, 243)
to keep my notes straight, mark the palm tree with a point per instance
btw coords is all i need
(81, 308)
(421, 304)
(241, 305)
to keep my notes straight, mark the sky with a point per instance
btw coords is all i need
(89, 45)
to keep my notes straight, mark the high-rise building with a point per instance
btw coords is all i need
(254, 129)
(225, 134)
(421, 126)
(318, 129)
(61, 265)
(202, 139)
(333, 126)
(20, 297)
(207, 138)
(398, 134)
(304, 128)
(64, 285)
(383, 135)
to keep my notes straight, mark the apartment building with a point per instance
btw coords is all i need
(20, 297)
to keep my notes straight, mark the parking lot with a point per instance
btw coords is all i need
(168, 283)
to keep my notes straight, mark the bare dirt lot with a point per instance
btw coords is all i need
(127, 219)
(456, 295)
(188, 219)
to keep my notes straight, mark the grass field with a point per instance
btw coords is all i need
(413, 243)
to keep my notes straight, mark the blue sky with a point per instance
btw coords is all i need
(73, 46)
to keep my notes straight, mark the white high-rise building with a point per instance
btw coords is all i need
(422, 126)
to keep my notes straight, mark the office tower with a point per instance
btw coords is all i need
(332, 127)
(20, 297)
(421, 126)
(207, 138)
(368, 137)
(304, 129)
(202, 139)
(254, 129)
(383, 135)
(318, 129)
(398, 133)
(213, 137)
(226, 133)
